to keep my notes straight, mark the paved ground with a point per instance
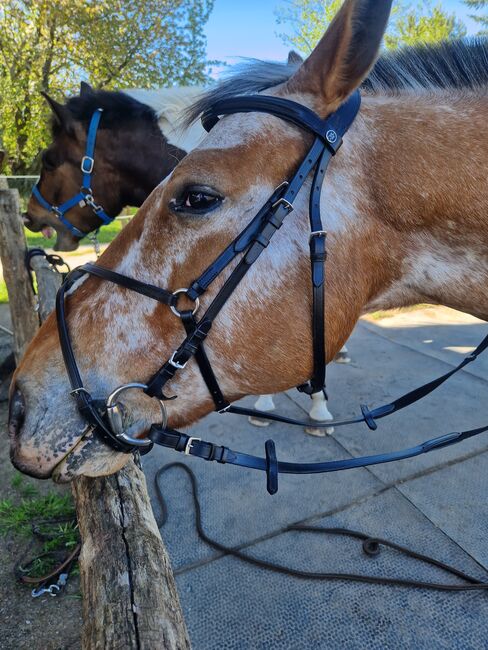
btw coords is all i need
(435, 504)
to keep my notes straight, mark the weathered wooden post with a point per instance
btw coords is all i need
(13, 245)
(130, 599)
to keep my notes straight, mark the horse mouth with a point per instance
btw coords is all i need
(47, 231)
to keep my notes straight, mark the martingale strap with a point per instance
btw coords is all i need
(85, 195)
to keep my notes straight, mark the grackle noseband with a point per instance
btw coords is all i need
(106, 417)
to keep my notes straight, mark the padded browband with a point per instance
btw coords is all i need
(299, 115)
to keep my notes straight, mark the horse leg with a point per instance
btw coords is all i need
(263, 403)
(320, 413)
(342, 356)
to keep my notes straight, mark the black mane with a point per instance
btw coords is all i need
(460, 65)
(118, 108)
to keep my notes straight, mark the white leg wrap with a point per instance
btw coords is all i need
(263, 403)
(321, 413)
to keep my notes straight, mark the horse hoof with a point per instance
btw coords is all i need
(342, 357)
(258, 422)
(319, 433)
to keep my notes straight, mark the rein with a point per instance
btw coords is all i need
(106, 417)
(85, 195)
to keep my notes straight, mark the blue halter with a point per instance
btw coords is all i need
(84, 196)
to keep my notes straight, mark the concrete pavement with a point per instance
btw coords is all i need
(435, 504)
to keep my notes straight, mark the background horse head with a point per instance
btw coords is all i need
(140, 140)
(404, 202)
(138, 143)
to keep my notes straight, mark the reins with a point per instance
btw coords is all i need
(106, 417)
(85, 195)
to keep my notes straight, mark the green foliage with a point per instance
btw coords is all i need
(483, 19)
(49, 45)
(423, 23)
(17, 518)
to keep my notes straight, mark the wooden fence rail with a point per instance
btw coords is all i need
(130, 598)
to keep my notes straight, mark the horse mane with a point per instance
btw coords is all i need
(460, 64)
(118, 108)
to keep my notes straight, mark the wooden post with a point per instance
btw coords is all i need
(130, 599)
(25, 320)
(129, 593)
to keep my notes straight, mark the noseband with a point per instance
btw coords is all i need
(106, 417)
(85, 195)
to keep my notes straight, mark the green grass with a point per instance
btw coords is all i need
(28, 509)
(105, 236)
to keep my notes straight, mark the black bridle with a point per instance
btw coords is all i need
(105, 417)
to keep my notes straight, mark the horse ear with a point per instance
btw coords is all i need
(345, 54)
(85, 89)
(59, 111)
(294, 58)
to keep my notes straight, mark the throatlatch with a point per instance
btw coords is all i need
(248, 245)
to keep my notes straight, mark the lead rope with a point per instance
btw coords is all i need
(371, 546)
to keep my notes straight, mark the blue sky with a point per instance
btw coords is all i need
(249, 29)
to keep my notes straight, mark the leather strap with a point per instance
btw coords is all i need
(208, 451)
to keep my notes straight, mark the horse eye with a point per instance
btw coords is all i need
(199, 200)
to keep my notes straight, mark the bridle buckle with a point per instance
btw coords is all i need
(189, 444)
(317, 233)
(175, 363)
(284, 202)
(87, 168)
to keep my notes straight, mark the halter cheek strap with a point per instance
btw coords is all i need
(85, 195)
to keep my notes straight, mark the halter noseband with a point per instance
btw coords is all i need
(85, 195)
(105, 417)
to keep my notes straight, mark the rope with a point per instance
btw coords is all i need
(371, 546)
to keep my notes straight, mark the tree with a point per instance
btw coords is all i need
(483, 20)
(49, 45)
(426, 24)
(409, 25)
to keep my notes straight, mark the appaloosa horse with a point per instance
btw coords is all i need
(404, 202)
(138, 140)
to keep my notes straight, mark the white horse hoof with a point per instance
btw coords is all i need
(320, 413)
(319, 433)
(263, 403)
(258, 422)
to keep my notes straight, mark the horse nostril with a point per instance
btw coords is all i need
(16, 413)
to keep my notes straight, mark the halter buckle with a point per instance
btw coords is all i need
(87, 163)
(189, 444)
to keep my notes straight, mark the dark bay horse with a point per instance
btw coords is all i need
(405, 203)
(138, 143)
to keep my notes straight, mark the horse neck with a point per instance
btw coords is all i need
(424, 168)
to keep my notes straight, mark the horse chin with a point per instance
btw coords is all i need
(92, 458)
(65, 242)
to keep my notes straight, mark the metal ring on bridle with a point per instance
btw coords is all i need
(178, 313)
(114, 415)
